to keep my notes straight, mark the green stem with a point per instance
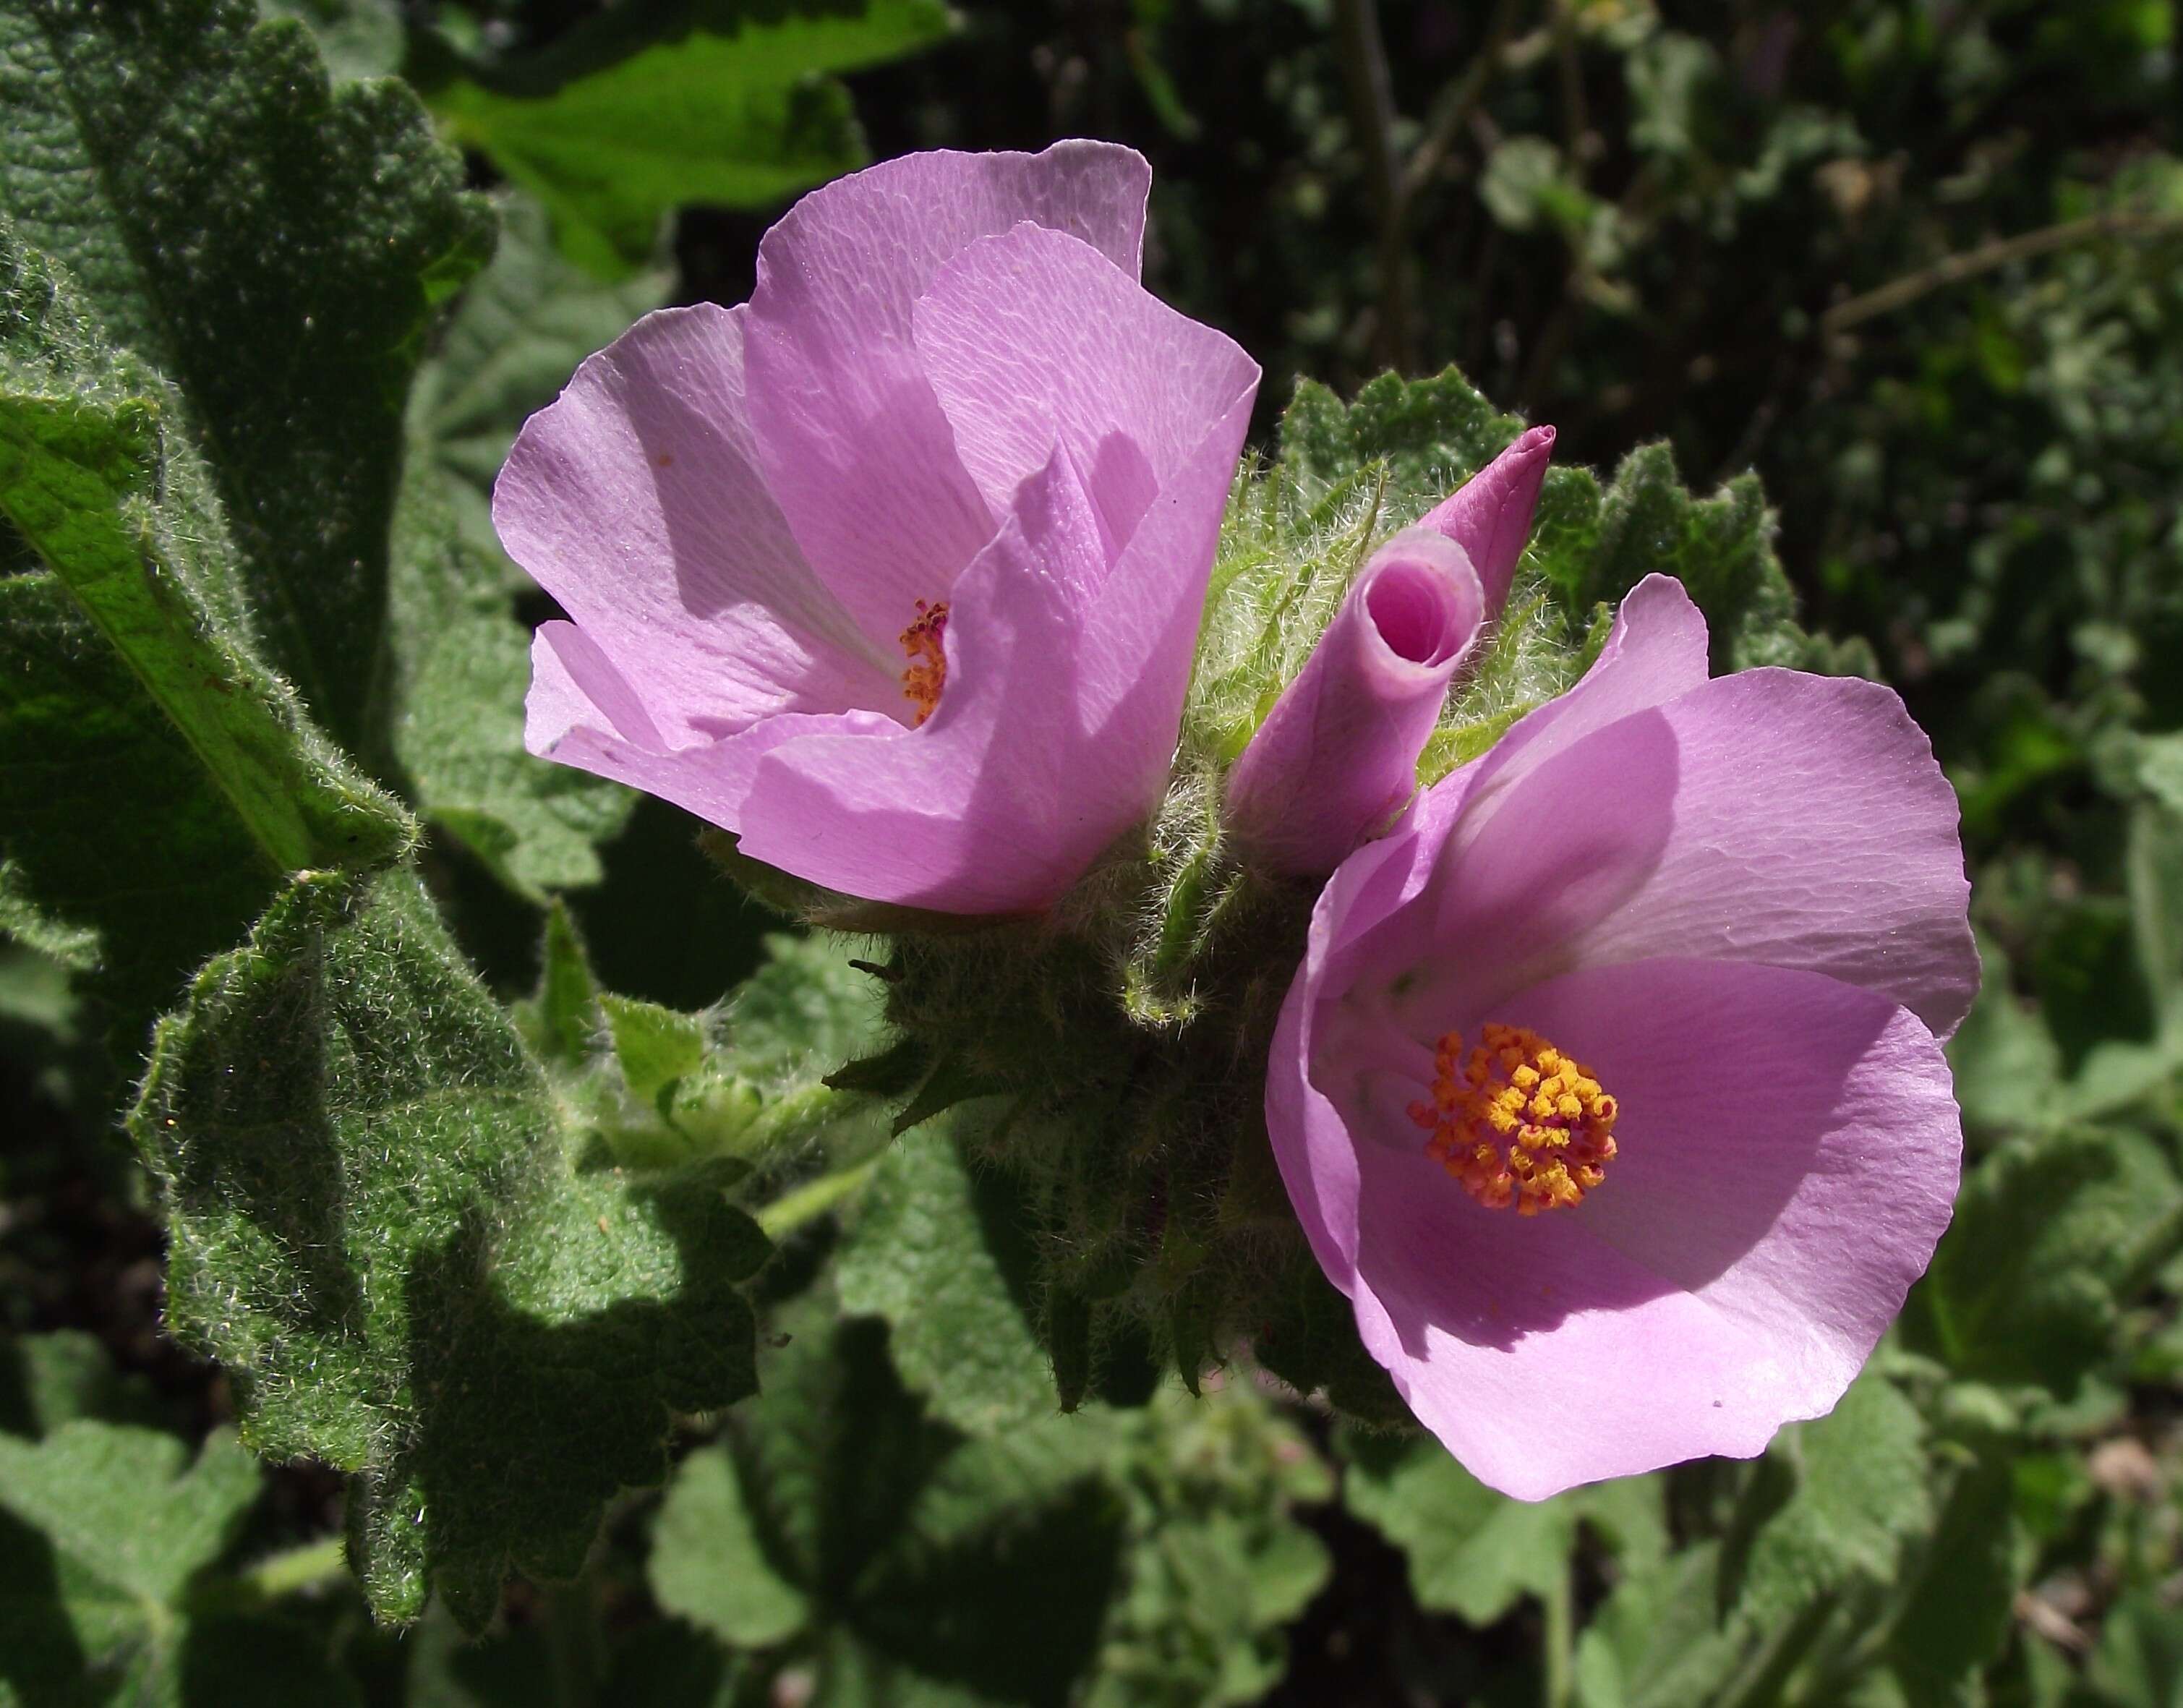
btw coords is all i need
(314, 1566)
(813, 1199)
(1560, 1641)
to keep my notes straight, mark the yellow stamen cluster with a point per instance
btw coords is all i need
(928, 661)
(1517, 1121)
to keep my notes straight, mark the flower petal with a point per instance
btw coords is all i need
(1489, 514)
(1770, 816)
(1812, 828)
(851, 441)
(1655, 651)
(582, 712)
(1789, 1154)
(634, 499)
(1035, 334)
(1006, 794)
(1134, 651)
(1338, 756)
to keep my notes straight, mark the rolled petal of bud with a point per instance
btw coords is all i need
(1489, 514)
(1337, 757)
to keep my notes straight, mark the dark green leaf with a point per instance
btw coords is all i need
(273, 246)
(944, 1256)
(2023, 1287)
(708, 1564)
(1861, 1492)
(382, 1229)
(154, 777)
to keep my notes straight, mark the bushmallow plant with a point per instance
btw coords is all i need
(895, 571)
(1611, 1090)
(1604, 1076)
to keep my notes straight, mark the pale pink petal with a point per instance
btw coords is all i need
(633, 500)
(1770, 816)
(1789, 1152)
(1812, 828)
(1336, 757)
(1655, 651)
(853, 442)
(1489, 514)
(581, 712)
(1006, 794)
(1036, 335)
(1133, 652)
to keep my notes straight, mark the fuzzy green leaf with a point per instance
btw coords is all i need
(1430, 434)
(1123, 1560)
(1657, 1641)
(155, 777)
(1958, 1610)
(734, 110)
(105, 1532)
(1472, 1552)
(2023, 1288)
(383, 1230)
(119, 1501)
(1476, 1553)
(708, 1563)
(357, 38)
(1861, 1492)
(655, 1046)
(944, 1256)
(275, 246)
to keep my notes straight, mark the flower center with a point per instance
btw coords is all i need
(1517, 1121)
(928, 661)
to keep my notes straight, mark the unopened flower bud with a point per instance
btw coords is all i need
(1337, 757)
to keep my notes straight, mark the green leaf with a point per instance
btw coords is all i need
(2008, 1068)
(563, 1021)
(1430, 434)
(1861, 1492)
(655, 1046)
(2023, 1288)
(80, 459)
(357, 38)
(119, 1501)
(708, 1565)
(1959, 1610)
(382, 1228)
(1472, 1552)
(48, 1380)
(1594, 546)
(1122, 1559)
(2139, 1663)
(107, 1537)
(273, 246)
(944, 1256)
(154, 777)
(1657, 1642)
(737, 114)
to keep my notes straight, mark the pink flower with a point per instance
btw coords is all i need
(1337, 757)
(896, 569)
(1610, 1089)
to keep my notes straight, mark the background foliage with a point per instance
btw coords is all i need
(485, 1141)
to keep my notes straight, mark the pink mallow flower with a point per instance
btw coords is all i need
(895, 571)
(1336, 758)
(1611, 1090)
